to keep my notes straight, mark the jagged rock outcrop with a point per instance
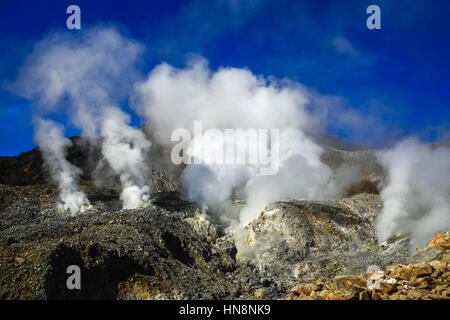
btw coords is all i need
(302, 241)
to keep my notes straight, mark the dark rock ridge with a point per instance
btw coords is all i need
(28, 168)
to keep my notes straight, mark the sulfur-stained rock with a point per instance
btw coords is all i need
(305, 289)
(387, 288)
(340, 295)
(414, 294)
(354, 283)
(421, 281)
(421, 269)
(401, 272)
(440, 239)
(438, 265)
(318, 240)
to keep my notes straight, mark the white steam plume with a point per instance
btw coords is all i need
(236, 99)
(124, 148)
(92, 72)
(416, 198)
(53, 145)
(301, 175)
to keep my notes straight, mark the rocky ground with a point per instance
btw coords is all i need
(427, 280)
(169, 249)
(165, 249)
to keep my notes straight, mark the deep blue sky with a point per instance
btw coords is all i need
(396, 76)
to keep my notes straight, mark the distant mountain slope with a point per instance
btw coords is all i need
(328, 141)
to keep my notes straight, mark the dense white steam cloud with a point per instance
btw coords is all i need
(85, 73)
(236, 99)
(416, 198)
(53, 145)
(91, 74)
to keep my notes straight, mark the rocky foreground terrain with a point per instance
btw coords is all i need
(169, 249)
(428, 279)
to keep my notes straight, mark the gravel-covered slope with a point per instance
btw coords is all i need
(166, 244)
(167, 249)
